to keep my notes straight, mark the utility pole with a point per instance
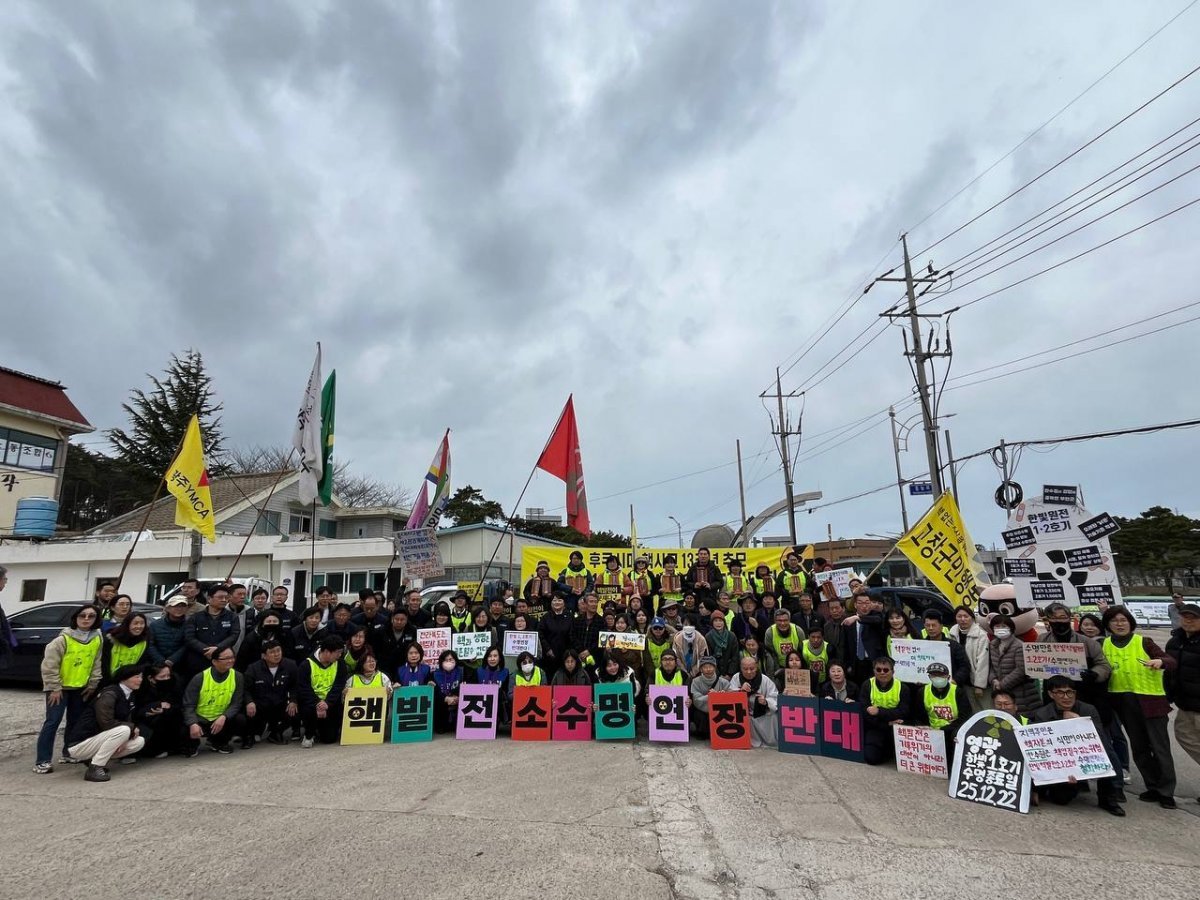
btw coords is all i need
(899, 476)
(783, 430)
(950, 465)
(920, 357)
(741, 482)
(195, 555)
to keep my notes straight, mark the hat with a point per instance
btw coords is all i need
(177, 601)
(668, 603)
(462, 594)
(658, 622)
(937, 669)
(642, 559)
(542, 562)
(735, 562)
(1190, 609)
(708, 660)
(127, 672)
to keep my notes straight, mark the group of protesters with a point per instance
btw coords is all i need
(220, 668)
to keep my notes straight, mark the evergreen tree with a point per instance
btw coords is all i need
(159, 418)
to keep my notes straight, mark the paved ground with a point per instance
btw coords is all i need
(486, 820)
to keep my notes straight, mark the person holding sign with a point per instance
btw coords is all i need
(1093, 681)
(640, 581)
(703, 579)
(791, 581)
(761, 582)
(794, 663)
(946, 705)
(1064, 704)
(575, 580)
(367, 676)
(885, 701)
(415, 671)
(570, 673)
(1139, 699)
(1006, 663)
(668, 673)
(493, 671)
(762, 698)
(960, 666)
(540, 588)
(702, 685)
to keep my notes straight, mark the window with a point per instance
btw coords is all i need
(299, 525)
(327, 528)
(358, 581)
(27, 451)
(33, 590)
(335, 580)
(378, 581)
(44, 617)
(268, 523)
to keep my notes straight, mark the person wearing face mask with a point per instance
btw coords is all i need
(1093, 683)
(269, 627)
(528, 674)
(158, 712)
(447, 680)
(689, 646)
(946, 705)
(1006, 666)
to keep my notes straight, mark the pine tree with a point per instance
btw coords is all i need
(158, 419)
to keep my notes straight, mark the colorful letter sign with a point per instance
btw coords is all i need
(614, 711)
(841, 730)
(478, 710)
(799, 725)
(412, 714)
(668, 714)
(572, 720)
(728, 720)
(531, 713)
(364, 717)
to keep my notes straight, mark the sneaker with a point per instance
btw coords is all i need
(192, 753)
(1150, 796)
(96, 773)
(306, 743)
(224, 749)
(1168, 803)
(1113, 809)
(127, 760)
(162, 755)
(43, 768)
(66, 760)
(1128, 778)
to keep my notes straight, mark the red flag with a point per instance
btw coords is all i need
(562, 459)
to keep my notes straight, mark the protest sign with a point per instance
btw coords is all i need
(419, 552)
(478, 712)
(614, 711)
(471, 644)
(531, 713)
(728, 720)
(797, 683)
(838, 581)
(913, 658)
(594, 557)
(940, 546)
(1099, 527)
(412, 714)
(668, 713)
(572, 716)
(1063, 749)
(1044, 660)
(622, 640)
(364, 715)
(434, 641)
(1019, 568)
(989, 767)
(841, 730)
(800, 725)
(518, 642)
(473, 589)
(921, 751)
(1149, 613)
(1060, 494)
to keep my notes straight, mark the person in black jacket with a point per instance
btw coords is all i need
(417, 617)
(585, 630)
(307, 636)
(105, 729)
(372, 618)
(322, 677)
(960, 664)
(884, 701)
(158, 712)
(1184, 682)
(864, 638)
(270, 627)
(391, 644)
(703, 578)
(272, 696)
(212, 629)
(554, 635)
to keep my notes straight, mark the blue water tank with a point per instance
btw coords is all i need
(36, 517)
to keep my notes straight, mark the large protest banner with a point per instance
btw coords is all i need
(412, 714)
(1045, 660)
(531, 713)
(913, 658)
(940, 546)
(920, 750)
(842, 730)
(419, 553)
(594, 557)
(364, 715)
(614, 711)
(435, 642)
(471, 645)
(800, 725)
(728, 720)
(478, 712)
(1067, 748)
(989, 767)
(572, 717)
(668, 713)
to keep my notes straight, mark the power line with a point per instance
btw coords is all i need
(1041, 127)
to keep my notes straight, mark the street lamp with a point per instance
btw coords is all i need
(678, 529)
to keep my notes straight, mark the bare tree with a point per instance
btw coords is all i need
(351, 489)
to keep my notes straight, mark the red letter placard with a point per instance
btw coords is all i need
(728, 720)
(531, 713)
(572, 713)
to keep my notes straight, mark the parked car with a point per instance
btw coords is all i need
(34, 628)
(915, 601)
(250, 582)
(435, 593)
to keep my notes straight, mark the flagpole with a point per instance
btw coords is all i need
(520, 497)
(312, 561)
(149, 507)
(283, 471)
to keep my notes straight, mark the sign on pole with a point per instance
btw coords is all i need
(940, 546)
(419, 553)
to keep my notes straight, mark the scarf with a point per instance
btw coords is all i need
(702, 685)
(80, 635)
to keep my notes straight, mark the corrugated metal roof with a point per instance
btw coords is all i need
(39, 395)
(227, 492)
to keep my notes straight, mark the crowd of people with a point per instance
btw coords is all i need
(220, 668)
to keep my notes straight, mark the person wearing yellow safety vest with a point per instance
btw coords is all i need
(106, 729)
(885, 702)
(670, 582)
(575, 580)
(736, 582)
(761, 582)
(658, 641)
(124, 645)
(640, 581)
(368, 675)
(815, 653)
(1139, 699)
(791, 582)
(70, 675)
(322, 676)
(668, 674)
(212, 705)
(942, 704)
(528, 674)
(782, 637)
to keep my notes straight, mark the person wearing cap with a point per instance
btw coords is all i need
(934, 630)
(1064, 704)
(1184, 646)
(669, 673)
(708, 680)
(703, 578)
(762, 697)
(783, 637)
(575, 580)
(322, 680)
(212, 704)
(167, 634)
(746, 622)
(689, 645)
(1175, 610)
(640, 581)
(106, 730)
(791, 582)
(669, 612)
(658, 641)
(460, 612)
(762, 581)
(1137, 691)
(540, 587)
(736, 582)
(670, 582)
(885, 703)
(945, 705)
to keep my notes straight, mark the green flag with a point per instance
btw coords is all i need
(325, 486)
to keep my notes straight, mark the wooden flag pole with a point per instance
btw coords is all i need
(141, 528)
(261, 510)
(312, 562)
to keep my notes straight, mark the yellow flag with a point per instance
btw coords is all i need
(187, 479)
(941, 548)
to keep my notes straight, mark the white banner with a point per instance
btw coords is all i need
(1056, 751)
(913, 658)
(419, 552)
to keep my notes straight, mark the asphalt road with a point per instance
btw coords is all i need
(503, 820)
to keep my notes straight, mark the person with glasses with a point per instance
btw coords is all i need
(71, 669)
(212, 705)
(1065, 704)
(885, 702)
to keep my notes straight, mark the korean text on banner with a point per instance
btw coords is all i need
(914, 657)
(572, 715)
(187, 480)
(434, 641)
(1067, 748)
(419, 552)
(940, 546)
(531, 713)
(471, 645)
(478, 712)
(921, 751)
(518, 642)
(594, 557)
(989, 767)
(668, 713)
(364, 719)
(1045, 660)
(412, 714)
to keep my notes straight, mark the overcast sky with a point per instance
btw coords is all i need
(480, 208)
